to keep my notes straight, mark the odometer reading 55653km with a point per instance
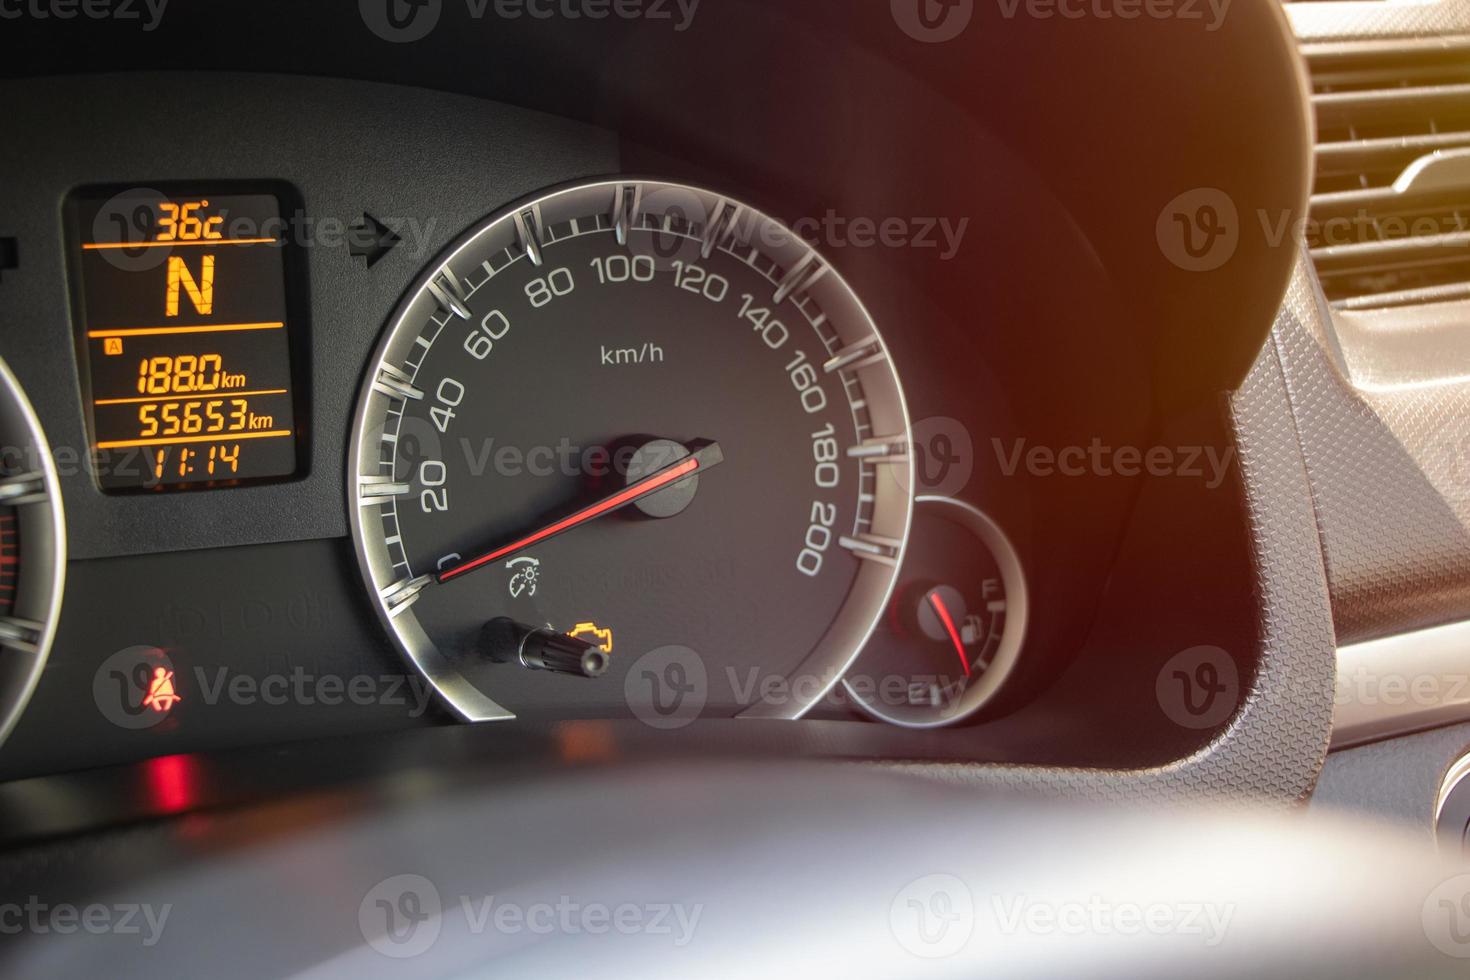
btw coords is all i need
(642, 434)
(185, 336)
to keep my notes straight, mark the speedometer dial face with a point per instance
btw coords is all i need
(645, 416)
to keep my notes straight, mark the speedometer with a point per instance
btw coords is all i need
(629, 441)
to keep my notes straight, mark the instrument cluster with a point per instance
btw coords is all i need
(537, 419)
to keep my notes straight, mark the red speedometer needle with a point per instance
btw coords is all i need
(705, 458)
(954, 635)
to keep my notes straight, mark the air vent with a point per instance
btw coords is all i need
(1391, 206)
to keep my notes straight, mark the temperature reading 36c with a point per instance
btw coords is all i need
(186, 339)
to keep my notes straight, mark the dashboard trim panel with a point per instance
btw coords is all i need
(1378, 683)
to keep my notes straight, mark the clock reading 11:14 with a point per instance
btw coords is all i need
(184, 327)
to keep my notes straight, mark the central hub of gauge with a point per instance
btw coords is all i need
(757, 521)
(651, 457)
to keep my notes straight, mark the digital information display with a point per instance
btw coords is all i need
(185, 334)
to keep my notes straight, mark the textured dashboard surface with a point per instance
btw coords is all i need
(1275, 748)
(1389, 465)
(1396, 780)
(1389, 480)
(1346, 20)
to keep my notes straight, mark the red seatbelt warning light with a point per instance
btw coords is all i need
(161, 693)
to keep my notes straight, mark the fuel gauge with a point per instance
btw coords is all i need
(955, 627)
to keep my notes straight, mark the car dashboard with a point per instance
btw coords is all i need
(419, 383)
(467, 450)
(374, 406)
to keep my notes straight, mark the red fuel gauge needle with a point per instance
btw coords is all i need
(706, 457)
(942, 611)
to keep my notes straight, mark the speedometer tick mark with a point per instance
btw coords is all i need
(855, 356)
(528, 234)
(885, 449)
(872, 547)
(402, 594)
(395, 384)
(627, 209)
(379, 489)
(726, 215)
(450, 294)
(799, 279)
